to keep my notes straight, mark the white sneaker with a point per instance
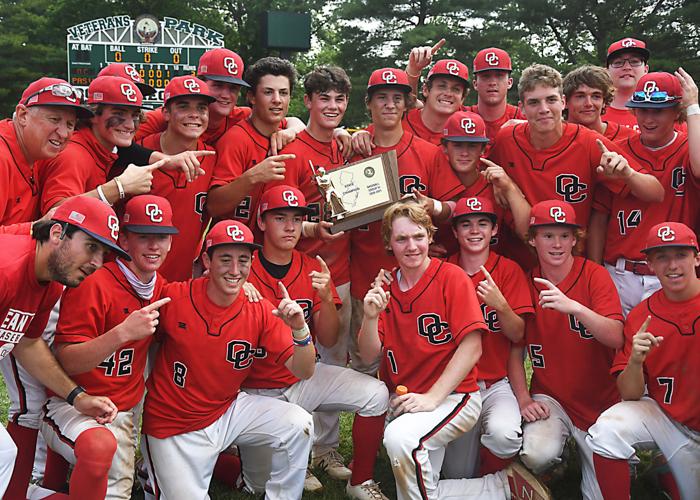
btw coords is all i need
(369, 490)
(332, 464)
(311, 483)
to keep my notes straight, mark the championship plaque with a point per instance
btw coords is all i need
(358, 193)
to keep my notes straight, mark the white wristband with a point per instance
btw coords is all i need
(693, 109)
(437, 207)
(102, 196)
(120, 187)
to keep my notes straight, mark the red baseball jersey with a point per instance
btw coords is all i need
(205, 355)
(25, 303)
(413, 122)
(565, 171)
(618, 133)
(672, 369)
(240, 149)
(421, 328)
(492, 127)
(99, 304)
(495, 347)
(19, 186)
(266, 373)
(568, 363)
(188, 200)
(82, 166)
(630, 218)
(623, 117)
(155, 123)
(298, 173)
(420, 168)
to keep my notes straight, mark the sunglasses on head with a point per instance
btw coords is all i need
(57, 90)
(656, 96)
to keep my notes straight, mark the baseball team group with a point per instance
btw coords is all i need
(173, 286)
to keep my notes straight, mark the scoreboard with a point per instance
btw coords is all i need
(158, 49)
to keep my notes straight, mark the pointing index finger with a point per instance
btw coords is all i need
(437, 46)
(487, 275)
(324, 266)
(601, 146)
(156, 165)
(157, 304)
(546, 283)
(204, 152)
(645, 325)
(283, 289)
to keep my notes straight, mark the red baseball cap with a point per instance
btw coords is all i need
(94, 218)
(114, 90)
(628, 45)
(552, 212)
(388, 77)
(475, 205)
(222, 65)
(450, 67)
(645, 94)
(283, 197)
(54, 92)
(127, 71)
(230, 232)
(181, 86)
(492, 58)
(671, 234)
(148, 214)
(465, 126)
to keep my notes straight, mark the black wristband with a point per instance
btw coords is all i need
(74, 394)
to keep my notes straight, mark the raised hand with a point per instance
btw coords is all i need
(553, 298)
(289, 311)
(375, 302)
(270, 169)
(643, 342)
(613, 164)
(321, 281)
(187, 162)
(142, 323)
(138, 180)
(489, 293)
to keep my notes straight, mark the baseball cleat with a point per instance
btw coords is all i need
(524, 485)
(369, 490)
(311, 483)
(332, 464)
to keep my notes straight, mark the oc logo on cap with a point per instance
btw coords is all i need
(557, 214)
(132, 72)
(452, 68)
(650, 86)
(491, 59)
(191, 85)
(235, 232)
(290, 198)
(230, 65)
(665, 233)
(154, 212)
(473, 203)
(628, 42)
(129, 92)
(113, 225)
(389, 77)
(468, 125)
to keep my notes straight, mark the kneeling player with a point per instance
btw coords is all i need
(332, 388)
(661, 351)
(427, 326)
(501, 288)
(104, 348)
(210, 336)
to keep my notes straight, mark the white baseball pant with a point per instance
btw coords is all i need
(330, 388)
(498, 429)
(8, 453)
(629, 426)
(632, 288)
(181, 466)
(415, 443)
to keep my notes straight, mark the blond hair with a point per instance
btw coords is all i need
(410, 209)
(538, 74)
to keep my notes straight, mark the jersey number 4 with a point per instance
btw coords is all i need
(628, 220)
(119, 366)
(668, 382)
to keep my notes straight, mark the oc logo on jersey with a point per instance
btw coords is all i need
(113, 226)
(432, 327)
(241, 354)
(490, 318)
(290, 198)
(154, 212)
(452, 68)
(468, 125)
(678, 180)
(576, 326)
(129, 92)
(570, 187)
(491, 59)
(389, 76)
(230, 65)
(200, 201)
(665, 233)
(410, 183)
(191, 85)
(235, 232)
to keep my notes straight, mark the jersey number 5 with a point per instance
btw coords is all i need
(535, 356)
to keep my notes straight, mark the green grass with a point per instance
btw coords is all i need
(565, 485)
